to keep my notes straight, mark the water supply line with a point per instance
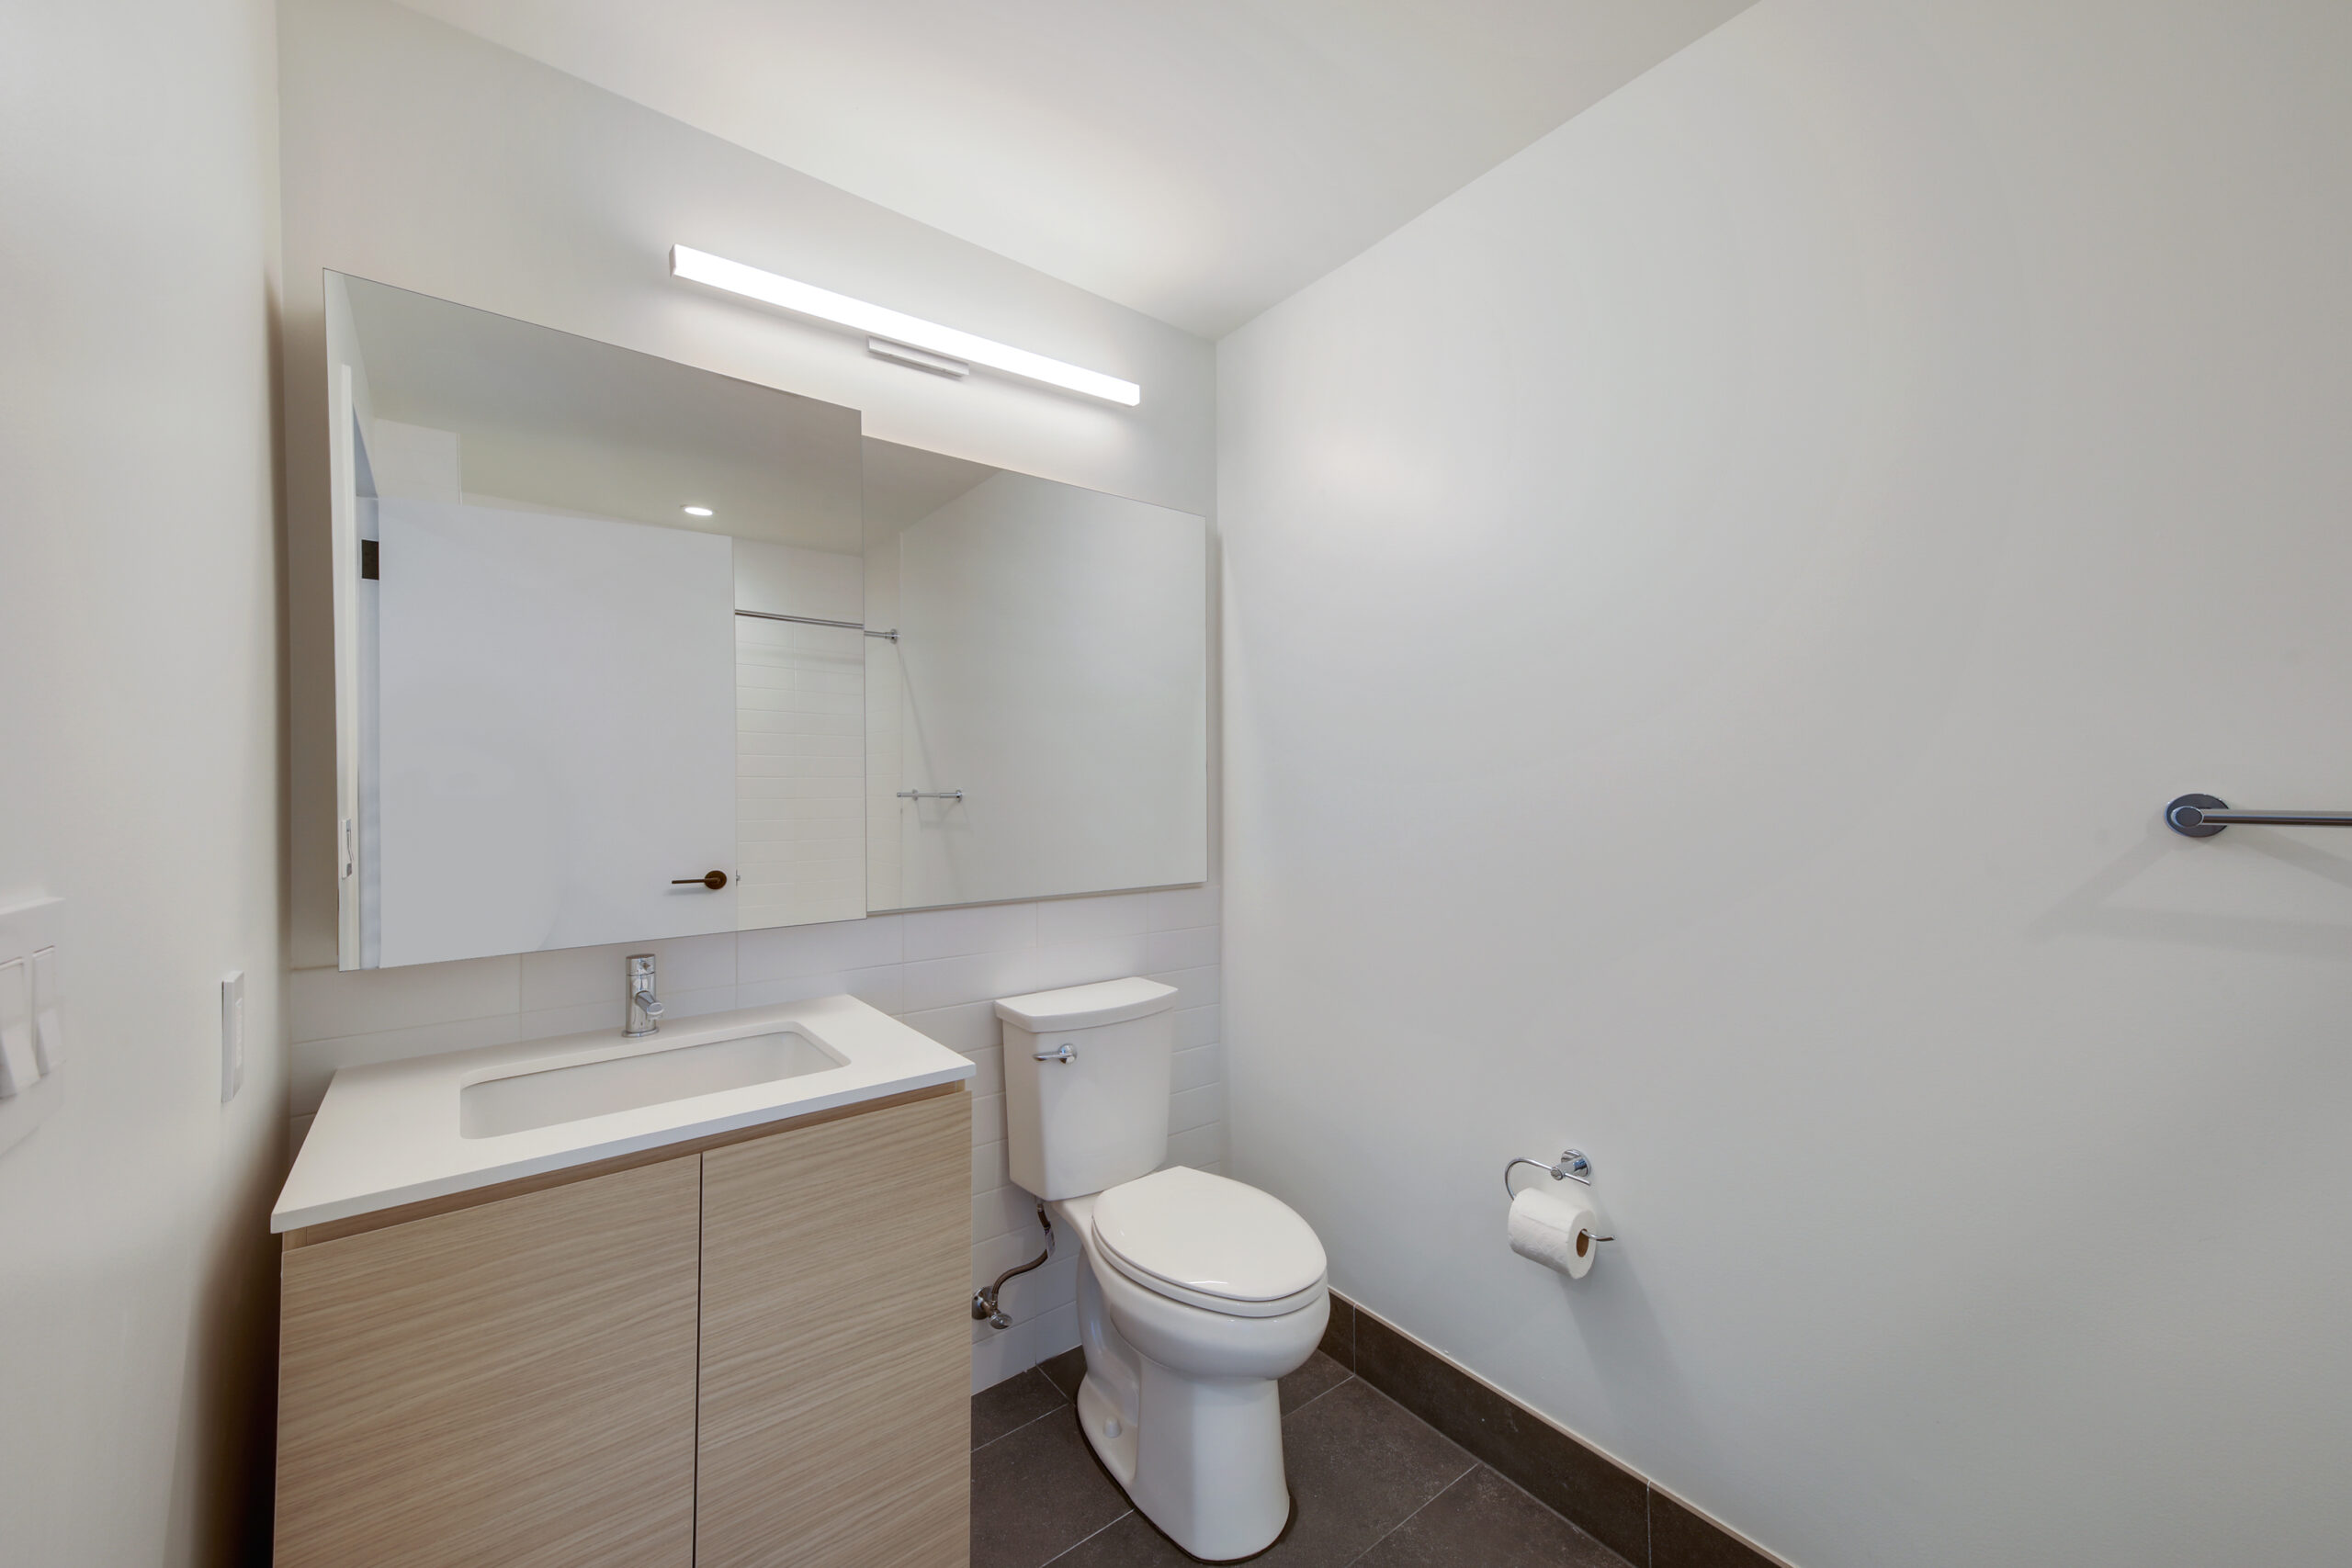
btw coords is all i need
(984, 1301)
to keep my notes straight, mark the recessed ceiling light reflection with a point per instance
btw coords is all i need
(696, 511)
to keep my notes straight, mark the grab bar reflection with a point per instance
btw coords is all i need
(814, 620)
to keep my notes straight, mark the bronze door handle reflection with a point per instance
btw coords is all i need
(713, 880)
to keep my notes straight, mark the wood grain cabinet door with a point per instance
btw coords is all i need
(836, 1344)
(511, 1384)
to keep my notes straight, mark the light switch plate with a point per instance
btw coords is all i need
(32, 1031)
(232, 1034)
(49, 1011)
(18, 1069)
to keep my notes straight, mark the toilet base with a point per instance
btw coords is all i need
(1201, 1457)
(1216, 1507)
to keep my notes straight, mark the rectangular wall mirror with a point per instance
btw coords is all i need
(627, 650)
(1038, 725)
(597, 641)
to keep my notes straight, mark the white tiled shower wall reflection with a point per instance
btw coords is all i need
(939, 971)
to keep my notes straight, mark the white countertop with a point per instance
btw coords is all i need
(388, 1133)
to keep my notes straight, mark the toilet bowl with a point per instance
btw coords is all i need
(1196, 1293)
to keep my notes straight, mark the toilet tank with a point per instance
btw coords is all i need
(1093, 1112)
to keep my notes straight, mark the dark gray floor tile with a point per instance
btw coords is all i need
(1015, 1402)
(1320, 1376)
(1066, 1371)
(1484, 1520)
(1339, 1333)
(1681, 1539)
(1036, 1492)
(1563, 1474)
(1130, 1543)
(1359, 1466)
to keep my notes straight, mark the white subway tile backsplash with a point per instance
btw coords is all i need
(1176, 908)
(328, 1004)
(788, 951)
(1080, 963)
(1199, 1147)
(574, 974)
(953, 933)
(1192, 948)
(799, 989)
(1001, 1356)
(1009, 1250)
(1064, 920)
(1056, 1330)
(313, 1063)
(978, 976)
(882, 987)
(988, 1172)
(940, 971)
(609, 1013)
(1194, 987)
(1001, 1210)
(989, 1070)
(1034, 1295)
(1195, 1107)
(967, 1026)
(1201, 1065)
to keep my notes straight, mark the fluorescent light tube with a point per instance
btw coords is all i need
(807, 299)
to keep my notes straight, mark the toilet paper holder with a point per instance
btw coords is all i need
(1574, 1166)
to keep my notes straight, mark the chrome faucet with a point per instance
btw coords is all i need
(644, 1007)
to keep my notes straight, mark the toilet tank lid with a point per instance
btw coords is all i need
(1082, 1007)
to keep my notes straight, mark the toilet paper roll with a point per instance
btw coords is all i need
(1554, 1229)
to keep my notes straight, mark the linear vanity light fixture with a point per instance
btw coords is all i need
(892, 328)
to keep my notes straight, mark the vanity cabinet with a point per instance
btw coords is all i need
(837, 1344)
(754, 1350)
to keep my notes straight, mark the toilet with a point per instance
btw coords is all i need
(1197, 1292)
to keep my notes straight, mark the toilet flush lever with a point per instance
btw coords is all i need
(1066, 1055)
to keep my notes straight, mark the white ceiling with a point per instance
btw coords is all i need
(1197, 160)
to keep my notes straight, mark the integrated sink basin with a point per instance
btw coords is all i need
(390, 1134)
(521, 1102)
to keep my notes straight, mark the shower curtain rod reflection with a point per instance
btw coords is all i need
(815, 621)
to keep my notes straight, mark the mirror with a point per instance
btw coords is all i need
(1037, 724)
(627, 650)
(599, 655)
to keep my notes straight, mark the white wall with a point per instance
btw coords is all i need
(1714, 609)
(141, 774)
(422, 157)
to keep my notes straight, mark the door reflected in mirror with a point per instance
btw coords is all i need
(598, 637)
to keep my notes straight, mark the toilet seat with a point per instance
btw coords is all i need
(1210, 1243)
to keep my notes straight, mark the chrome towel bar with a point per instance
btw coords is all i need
(2202, 816)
